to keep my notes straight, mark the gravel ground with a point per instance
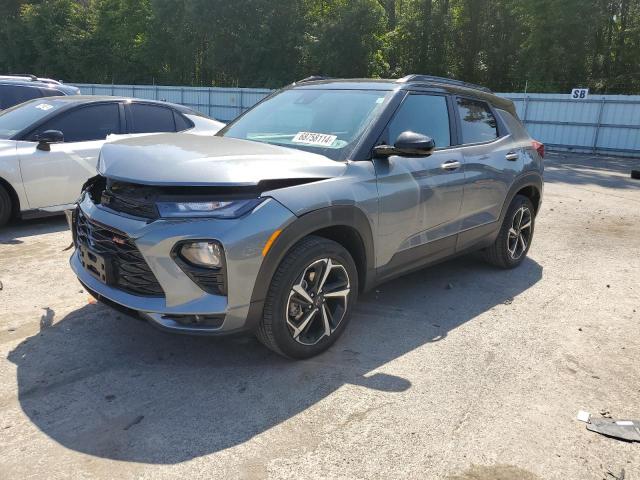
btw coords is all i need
(459, 371)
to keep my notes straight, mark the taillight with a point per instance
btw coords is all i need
(538, 147)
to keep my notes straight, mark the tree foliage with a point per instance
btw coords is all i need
(543, 45)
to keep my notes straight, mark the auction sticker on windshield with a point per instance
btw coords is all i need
(44, 106)
(309, 138)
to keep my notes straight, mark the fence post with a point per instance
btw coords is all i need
(241, 102)
(209, 96)
(597, 132)
(156, 92)
(526, 108)
(181, 95)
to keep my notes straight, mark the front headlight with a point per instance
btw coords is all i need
(208, 208)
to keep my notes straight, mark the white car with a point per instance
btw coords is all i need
(49, 146)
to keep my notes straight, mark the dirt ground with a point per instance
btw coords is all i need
(479, 380)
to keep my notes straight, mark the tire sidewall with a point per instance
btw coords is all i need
(518, 202)
(5, 206)
(281, 334)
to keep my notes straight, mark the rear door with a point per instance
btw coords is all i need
(54, 178)
(420, 197)
(492, 161)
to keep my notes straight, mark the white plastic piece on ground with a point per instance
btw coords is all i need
(583, 416)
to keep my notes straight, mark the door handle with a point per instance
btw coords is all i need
(512, 156)
(450, 165)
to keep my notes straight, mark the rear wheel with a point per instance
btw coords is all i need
(310, 299)
(514, 239)
(5, 206)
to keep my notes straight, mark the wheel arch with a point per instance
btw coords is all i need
(530, 186)
(15, 200)
(344, 224)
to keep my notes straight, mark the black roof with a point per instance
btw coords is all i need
(429, 82)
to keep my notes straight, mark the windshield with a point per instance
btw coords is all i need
(328, 122)
(16, 119)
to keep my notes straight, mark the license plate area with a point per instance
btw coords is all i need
(97, 265)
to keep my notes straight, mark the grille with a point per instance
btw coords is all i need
(135, 200)
(131, 272)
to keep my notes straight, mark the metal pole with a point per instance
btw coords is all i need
(241, 101)
(209, 95)
(597, 132)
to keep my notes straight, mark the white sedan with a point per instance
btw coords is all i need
(49, 146)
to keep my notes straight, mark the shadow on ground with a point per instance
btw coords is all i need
(611, 172)
(11, 234)
(109, 385)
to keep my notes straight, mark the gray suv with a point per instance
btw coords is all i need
(320, 192)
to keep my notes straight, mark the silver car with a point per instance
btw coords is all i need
(321, 191)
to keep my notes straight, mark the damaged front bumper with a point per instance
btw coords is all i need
(184, 307)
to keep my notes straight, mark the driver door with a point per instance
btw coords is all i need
(54, 178)
(420, 197)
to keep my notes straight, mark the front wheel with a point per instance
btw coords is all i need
(5, 206)
(516, 233)
(310, 299)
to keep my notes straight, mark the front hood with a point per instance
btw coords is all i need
(183, 159)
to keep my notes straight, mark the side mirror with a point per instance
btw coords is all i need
(47, 137)
(409, 144)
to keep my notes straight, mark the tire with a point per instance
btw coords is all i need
(6, 207)
(507, 251)
(291, 325)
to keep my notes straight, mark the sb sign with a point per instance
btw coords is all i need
(579, 93)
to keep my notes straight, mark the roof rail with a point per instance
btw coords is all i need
(448, 81)
(313, 78)
(24, 75)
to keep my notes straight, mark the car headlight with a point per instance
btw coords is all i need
(202, 254)
(208, 208)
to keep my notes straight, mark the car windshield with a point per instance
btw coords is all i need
(16, 119)
(328, 122)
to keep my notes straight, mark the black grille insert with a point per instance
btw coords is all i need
(131, 272)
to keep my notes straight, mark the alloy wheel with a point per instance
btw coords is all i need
(317, 302)
(520, 233)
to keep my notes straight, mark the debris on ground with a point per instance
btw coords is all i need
(605, 412)
(0, 284)
(628, 430)
(508, 301)
(614, 476)
(583, 416)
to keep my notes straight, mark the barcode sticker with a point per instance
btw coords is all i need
(310, 138)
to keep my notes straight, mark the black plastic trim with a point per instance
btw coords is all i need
(336, 216)
(197, 273)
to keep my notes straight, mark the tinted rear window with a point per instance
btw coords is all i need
(478, 123)
(151, 118)
(181, 122)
